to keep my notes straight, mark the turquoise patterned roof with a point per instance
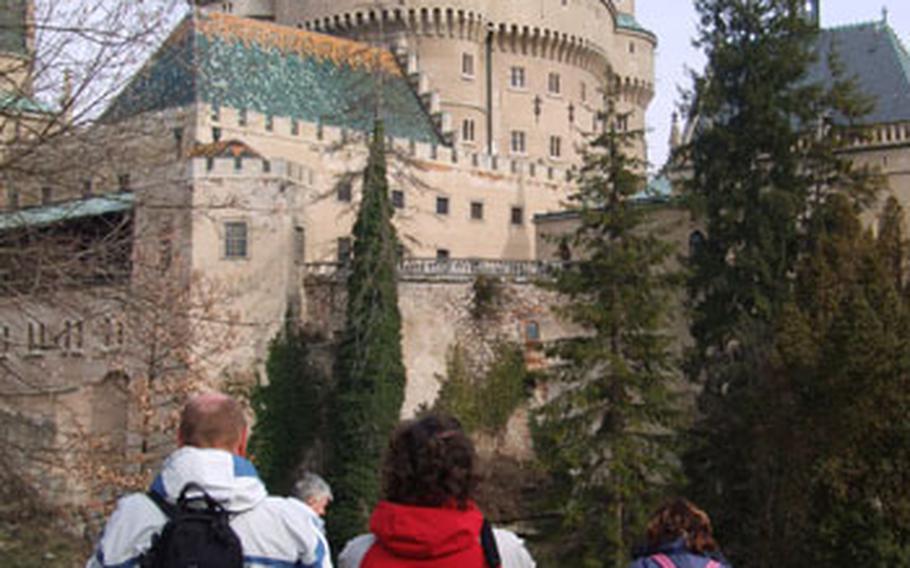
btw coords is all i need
(12, 103)
(628, 22)
(280, 71)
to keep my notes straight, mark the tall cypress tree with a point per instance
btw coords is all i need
(766, 158)
(606, 437)
(369, 368)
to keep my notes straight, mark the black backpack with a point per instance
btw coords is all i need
(197, 534)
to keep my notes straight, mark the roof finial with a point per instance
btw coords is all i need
(884, 14)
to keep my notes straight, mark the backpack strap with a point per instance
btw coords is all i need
(488, 543)
(662, 560)
(158, 499)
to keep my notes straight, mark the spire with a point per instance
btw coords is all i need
(674, 132)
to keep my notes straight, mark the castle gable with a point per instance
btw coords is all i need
(224, 61)
(874, 57)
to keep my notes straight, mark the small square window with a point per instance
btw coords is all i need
(467, 65)
(518, 142)
(555, 146)
(397, 199)
(47, 195)
(344, 192)
(241, 117)
(553, 85)
(476, 210)
(216, 113)
(631, 47)
(517, 77)
(266, 166)
(86, 188)
(442, 205)
(269, 123)
(216, 134)
(12, 198)
(532, 331)
(295, 127)
(235, 239)
(238, 163)
(584, 91)
(442, 255)
(517, 216)
(344, 250)
(123, 182)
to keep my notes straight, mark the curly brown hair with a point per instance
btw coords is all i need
(681, 519)
(430, 463)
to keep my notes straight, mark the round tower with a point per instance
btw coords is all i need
(511, 77)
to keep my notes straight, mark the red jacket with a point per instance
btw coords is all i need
(409, 536)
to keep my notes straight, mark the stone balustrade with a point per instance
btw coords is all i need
(455, 269)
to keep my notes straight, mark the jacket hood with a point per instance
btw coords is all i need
(229, 479)
(425, 532)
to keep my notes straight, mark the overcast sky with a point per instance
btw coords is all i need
(674, 23)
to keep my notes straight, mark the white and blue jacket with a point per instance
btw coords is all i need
(274, 531)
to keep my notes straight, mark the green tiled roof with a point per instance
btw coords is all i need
(12, 27)
(276, 70)
(11, 103)
(628, 22)
(61, 212)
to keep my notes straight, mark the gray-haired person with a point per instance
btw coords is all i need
(314, 491)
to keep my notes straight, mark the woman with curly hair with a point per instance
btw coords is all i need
(428, 516)
(679, 536)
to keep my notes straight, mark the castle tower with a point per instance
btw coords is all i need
(512, 77)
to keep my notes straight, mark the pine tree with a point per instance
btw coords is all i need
(765, 159)
(369, 369)
(289, 409)
(606, 437)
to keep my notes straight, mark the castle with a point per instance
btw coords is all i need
(216, 194)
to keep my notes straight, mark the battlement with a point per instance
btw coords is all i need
(328, 137)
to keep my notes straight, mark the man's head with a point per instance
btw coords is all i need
(314, 491)
(213, 420)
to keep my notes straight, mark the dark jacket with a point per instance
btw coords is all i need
(677, 552)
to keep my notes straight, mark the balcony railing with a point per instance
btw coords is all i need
(451, 269)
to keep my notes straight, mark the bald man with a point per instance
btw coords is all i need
(212, 438)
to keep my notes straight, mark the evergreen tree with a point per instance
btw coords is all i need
(369, 368)
(765, 159)
(290, 409)
(606, 436)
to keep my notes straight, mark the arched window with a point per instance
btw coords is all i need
(696, 243)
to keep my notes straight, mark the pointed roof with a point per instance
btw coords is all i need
(875, 58)
(276, 70)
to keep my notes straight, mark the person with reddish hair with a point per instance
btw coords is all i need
(679, 536)
(428, 516)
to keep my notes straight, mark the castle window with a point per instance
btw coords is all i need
(555, 146)
(241, 117)
(37, 338)
(5, 343)
(397, 199)
(123, 182)
(442, 255)
(553, 84)
(584, 91)
(269, 123)
(216, 134)
(696, 243)
(266, 167)
(238, 163)
(442, 205)
(344, 250)
(86, 188)
(631, 47)
(518, 142)
(467, 65)
(295, 127)
(517, 216)
(299, 245)
(343, 192)
(467, 130)
(47, 195)
(209, 163)
(12, 198)
(532, 332)
(476, 210)
(216, 113)
(235, 239)
(517, 77)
